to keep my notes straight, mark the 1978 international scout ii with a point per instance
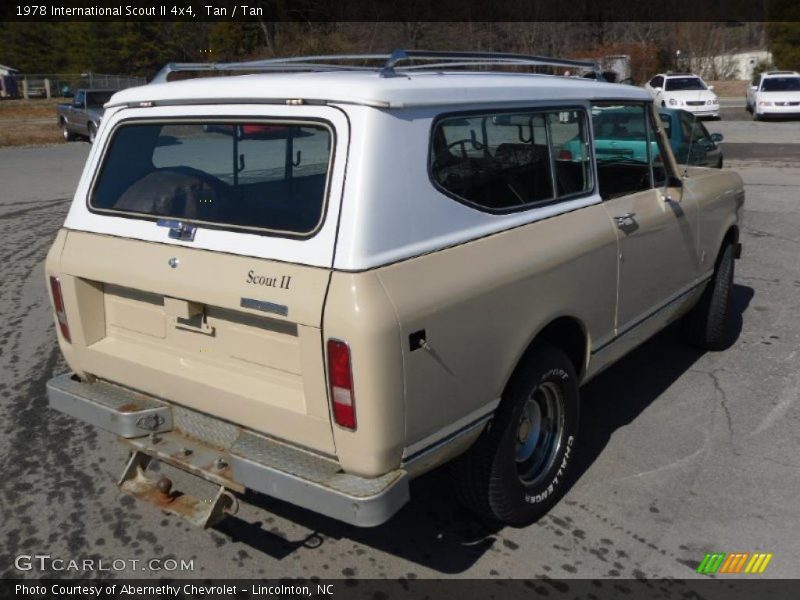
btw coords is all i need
(321, 282)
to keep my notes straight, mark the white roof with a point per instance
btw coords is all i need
(369, 88)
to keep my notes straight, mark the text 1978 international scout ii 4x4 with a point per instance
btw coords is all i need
(321, 282)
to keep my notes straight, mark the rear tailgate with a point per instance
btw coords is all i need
(228, 321)
(217, 333)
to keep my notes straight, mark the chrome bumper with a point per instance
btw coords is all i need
(229, 456)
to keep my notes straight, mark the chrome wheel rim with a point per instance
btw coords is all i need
(539, 433)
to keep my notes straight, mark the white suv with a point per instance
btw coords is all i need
(321, 282)
(775, 93)
(685, 91)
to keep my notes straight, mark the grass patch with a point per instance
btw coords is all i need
(29, 122)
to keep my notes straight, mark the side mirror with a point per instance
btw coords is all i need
(656, 89)
(711, 87)
(76, 104)
(717, 137)
(754, 87)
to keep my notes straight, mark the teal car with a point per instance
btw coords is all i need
(620, 135)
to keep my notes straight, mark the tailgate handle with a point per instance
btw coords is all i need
(190, 316)
(197, 323)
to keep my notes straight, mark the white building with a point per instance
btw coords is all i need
(735, 65)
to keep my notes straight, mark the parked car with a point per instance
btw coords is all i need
(773, 94)
(421, 269)
(691, 142)
(619, 133)
(82, 116)
(685, 91)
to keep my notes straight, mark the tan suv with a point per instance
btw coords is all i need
(321, 282)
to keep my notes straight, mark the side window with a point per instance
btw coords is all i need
(570, 141)
(507, 161)
(692, 129)
(756, 80)
(666, 124)
(657, 81)
(78, 100)
(621, 148)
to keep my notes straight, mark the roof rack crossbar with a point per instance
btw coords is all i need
(389, 68)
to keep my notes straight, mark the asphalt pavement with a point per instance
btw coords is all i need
(681, 453)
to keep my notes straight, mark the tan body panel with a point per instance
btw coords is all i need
(359, 312)
(482, 303)
(264, 371)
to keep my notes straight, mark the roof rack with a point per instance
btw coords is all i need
(389, 68)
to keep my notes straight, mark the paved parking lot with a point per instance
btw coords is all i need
(682, 453)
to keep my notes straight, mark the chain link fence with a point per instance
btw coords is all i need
(63, 85)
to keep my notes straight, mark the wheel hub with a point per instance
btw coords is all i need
(538, 436)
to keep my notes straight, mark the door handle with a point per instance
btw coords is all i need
(622, 219)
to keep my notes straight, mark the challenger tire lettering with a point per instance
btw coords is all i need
(281, 282)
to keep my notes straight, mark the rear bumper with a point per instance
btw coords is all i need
(228, 455)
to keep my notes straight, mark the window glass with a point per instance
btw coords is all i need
(95, 99)
(503, 161)
(666, 124)
(692, 129)
(781, 84)
(572, 159)
(621, 148)
(677, 84)
(259, 175)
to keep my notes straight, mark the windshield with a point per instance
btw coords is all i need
(781, 84)
(98, 98)
(679, 84)
(256, 175)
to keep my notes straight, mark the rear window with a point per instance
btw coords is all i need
(269, 176)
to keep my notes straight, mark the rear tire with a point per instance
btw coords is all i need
(520, 465)
(706, 324)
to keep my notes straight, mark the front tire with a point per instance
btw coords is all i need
(707, 322)
(520, 465)
(66, 133)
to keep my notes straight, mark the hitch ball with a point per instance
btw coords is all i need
(164, 485)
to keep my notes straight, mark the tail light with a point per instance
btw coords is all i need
(340, 374)
(61, 313)
(564, 155)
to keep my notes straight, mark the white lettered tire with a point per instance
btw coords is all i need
(521, 464)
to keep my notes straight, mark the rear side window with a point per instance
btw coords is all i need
(267, 176)
(508, 161)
